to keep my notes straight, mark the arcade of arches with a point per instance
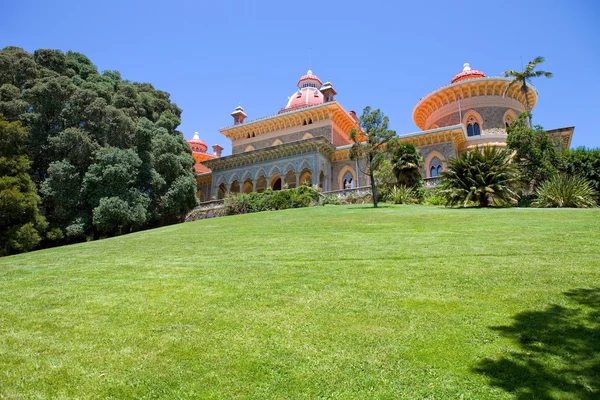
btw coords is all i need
(275, 182)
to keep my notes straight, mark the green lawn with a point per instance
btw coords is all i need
(319, 303)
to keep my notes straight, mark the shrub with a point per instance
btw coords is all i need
(435, 200)
(237, 204)
(402, 195)
(481, 176)
(565, 191)
(331, 199)
(583, 162)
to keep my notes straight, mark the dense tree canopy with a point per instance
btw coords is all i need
(21, 224)
(105, 152)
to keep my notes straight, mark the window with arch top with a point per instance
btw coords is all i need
(473, 122)
(435, 167)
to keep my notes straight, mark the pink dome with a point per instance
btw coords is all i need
(198, 145)
(304, 98)
(467, 73)
(308, 93)
(310, 77)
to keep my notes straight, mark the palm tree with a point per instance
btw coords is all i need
(482, 176)
(406, 161)
(524, 77)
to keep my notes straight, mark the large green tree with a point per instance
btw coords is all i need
(536, 154)
(21, 223)
(522, 78)
(77, 118)
(370, 143)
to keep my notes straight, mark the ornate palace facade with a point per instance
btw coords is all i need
(309, 139)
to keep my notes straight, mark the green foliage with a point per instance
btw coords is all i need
(370, 143)
(242, 203)
(21, 223)
(566, 191)
(331, 199)
(481, 176)
(406, 161)
(75, 116)
(537, 155)
(402, 194)
(436, 200)
(583, 162)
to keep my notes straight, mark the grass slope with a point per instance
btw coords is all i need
(327, 303)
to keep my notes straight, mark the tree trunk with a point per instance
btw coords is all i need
(526, 90)
(373, 188)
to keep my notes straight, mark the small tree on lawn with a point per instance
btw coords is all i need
(370, 143)
(536, 154)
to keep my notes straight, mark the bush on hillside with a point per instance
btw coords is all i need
(483, 176)
(566, 191)
(402, 195)
(303, 196)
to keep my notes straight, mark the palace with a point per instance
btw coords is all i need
(309, 139)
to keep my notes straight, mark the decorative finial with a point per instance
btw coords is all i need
(196, 136)
(466, 67)
(309, 72)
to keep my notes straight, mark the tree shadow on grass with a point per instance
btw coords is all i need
(559, 355)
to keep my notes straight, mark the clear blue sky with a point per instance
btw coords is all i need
(212, 56)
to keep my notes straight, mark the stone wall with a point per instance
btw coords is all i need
(324, 131)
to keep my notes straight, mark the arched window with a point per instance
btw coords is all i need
(435, 167)
(473, 122)
(348, 181)
(509, 117)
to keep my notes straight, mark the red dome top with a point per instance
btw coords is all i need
(310, 77)
(467, 73)
(198, 145)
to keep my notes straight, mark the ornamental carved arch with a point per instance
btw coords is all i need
(289, 167)
(259, 173)
(221, 179)
(274, 170)
(249, 148)
(247, 176)
(471, 117)
(234, 177)
(276, 142)
(305, 164)
(508, 118)
(343, 176)
(435, 157)
(473, 122)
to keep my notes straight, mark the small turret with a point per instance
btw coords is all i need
(217, 150)
(328, 92)
(238, 115)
